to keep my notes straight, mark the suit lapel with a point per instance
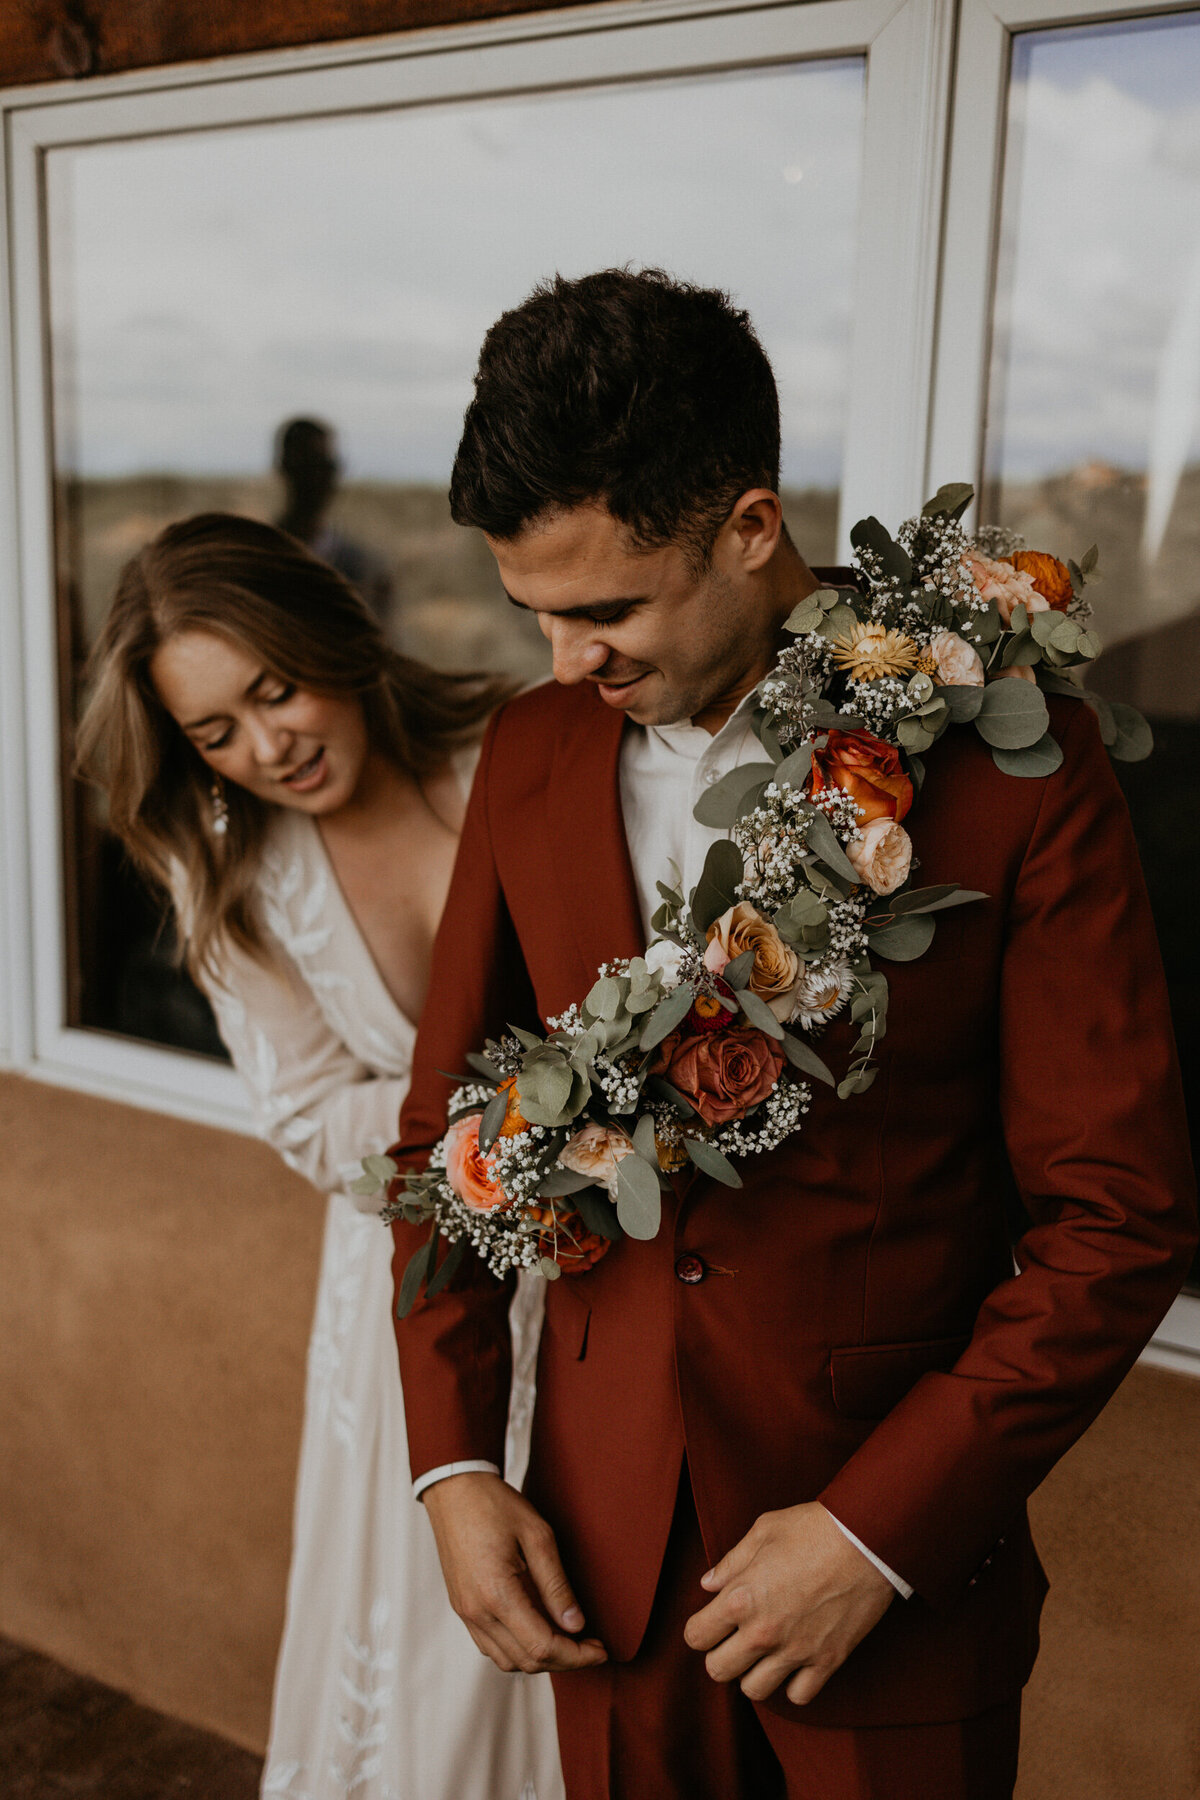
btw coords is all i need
(587, 833)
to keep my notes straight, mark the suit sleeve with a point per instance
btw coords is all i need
(455, 1351)
(1093, 1119)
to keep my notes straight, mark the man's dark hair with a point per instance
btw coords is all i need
(647, 394)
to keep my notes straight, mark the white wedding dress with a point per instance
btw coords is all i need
(379, 1692)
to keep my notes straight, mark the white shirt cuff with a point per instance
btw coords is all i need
(898, 1582)
(459, 1468)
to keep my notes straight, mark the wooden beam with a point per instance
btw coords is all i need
(47, 40)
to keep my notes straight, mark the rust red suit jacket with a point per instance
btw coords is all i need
(860, 1336)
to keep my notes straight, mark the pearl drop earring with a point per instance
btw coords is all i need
(220, 808)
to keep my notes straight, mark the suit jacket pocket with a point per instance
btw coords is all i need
(869, 1379)
(567, 1320)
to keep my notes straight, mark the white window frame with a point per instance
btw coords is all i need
(908, 46)
(962, 361)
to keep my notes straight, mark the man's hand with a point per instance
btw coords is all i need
(792, 1599)
(504, 1577)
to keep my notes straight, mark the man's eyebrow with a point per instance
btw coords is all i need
(582, 612)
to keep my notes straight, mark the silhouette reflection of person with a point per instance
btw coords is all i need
(307, 459)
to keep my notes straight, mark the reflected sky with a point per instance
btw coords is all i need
(1101, 249)
(205, 286)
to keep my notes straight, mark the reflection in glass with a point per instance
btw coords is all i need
(208, 289)
(1093, 430)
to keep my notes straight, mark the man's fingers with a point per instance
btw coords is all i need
(807, 1683)
(713, 1624)
(541, 1555)
(536, 1644)
(760, 1682)
(730, 1565)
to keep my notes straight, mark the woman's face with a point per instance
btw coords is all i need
(285, 744)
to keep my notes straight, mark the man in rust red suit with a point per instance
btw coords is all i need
(773, 1539)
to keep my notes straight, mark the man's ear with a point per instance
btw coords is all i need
(754, 528)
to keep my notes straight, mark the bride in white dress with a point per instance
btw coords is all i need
(299, 787)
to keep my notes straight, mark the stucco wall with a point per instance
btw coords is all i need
(156, 1296)
(155, 1305)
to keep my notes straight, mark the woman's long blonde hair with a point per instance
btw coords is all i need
(263, 591)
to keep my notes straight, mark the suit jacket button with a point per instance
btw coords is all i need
(690, 1269)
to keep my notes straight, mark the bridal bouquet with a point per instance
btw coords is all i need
(701, 1051)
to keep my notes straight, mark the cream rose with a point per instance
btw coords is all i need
(1007, 586)
(958, 663)
(595, 1151)
(664, 958)
(776, 968)
(882, 856)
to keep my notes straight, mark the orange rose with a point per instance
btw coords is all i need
(1051, 578)
(514, 1121)
(468, 1171)
(776, 968)
(723, 1073)
(868, 769)
(566, 1240)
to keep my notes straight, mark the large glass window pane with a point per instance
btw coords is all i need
(1093, 428)
(205, 288)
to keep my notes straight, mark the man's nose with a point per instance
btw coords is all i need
(577, 652)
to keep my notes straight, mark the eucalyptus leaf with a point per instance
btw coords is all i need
(665, 1091)
(595, 1208)
(562, 1181)
(494, 1114)
(871, 535)
(716, 890)
(366, 1185)
(767, 735)
(604, 998)
(482, 1065)
(1013, 715)
(549, 1268)
(1044, 625)
(669, 1013)
(415, 1271)
(1066, 635)
(794, 770)
(528, 1040)
(382, 1167)
(719, 806)
(905, 939)
(1134, 740)
(449, 1268)
(711, 1161)
(963, 702)
(1089, 559)
(1106, 717)
(737, 973)
(804, 617)
(915, 735)
(857, 1082)
(639, 1198)
(759, 1013)
(803, 1057)
(822, 840)
(644, 1141)
(932, 899)
(1037, 759)
(951, 500)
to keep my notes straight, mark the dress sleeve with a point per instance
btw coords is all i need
(312, 1099)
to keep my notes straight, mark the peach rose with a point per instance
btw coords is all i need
(725, 1074)
(882, 856)
(595, 1151)
(868, 769)
(565, 1239)
(958, 663)
(1007, 586)
(468, 1170)
(776, 968)
(1051, 578)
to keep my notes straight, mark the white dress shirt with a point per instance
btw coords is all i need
(664, 769)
